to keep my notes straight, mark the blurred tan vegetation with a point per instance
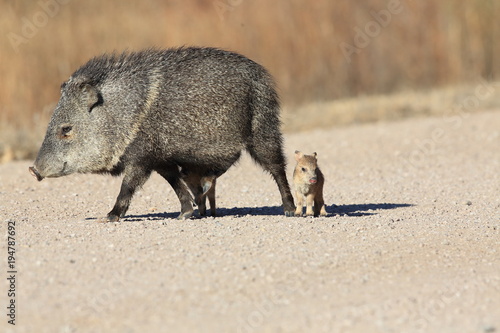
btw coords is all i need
(318, 51)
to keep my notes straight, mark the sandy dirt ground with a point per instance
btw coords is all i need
(411, 242)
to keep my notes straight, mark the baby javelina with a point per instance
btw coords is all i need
(308, 180)
(201, 187)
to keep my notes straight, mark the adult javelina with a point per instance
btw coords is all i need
(161, 110)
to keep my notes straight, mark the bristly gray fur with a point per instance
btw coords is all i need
(161, 110)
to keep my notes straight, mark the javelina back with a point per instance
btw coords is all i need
(161, 110)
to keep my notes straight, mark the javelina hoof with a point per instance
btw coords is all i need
(202, 211)
(185, 216)
(112, 218)
(290, 213)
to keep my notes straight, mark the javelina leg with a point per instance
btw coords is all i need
(319, 206)
(199, 197)
(200, 200)
(300, 203)
(207, 190)
(278, 173)
(286, 196)
(309, 205)
(173, 177)
(134, 179)
(273, 161)
(211, 198)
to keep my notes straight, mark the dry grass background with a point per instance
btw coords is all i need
(428, 45)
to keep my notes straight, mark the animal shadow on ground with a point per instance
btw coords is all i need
(332, 210)
(363, 209)
(234, 212)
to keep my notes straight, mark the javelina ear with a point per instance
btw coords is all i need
(92, 95)
(314, 155)
(298, 155)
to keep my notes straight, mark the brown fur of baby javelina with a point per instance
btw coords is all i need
(202, 186)
(308, 181)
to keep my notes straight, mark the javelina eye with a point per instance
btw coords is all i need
(304, 169)
(65, 131)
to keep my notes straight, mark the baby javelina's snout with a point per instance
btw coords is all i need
(308, 180)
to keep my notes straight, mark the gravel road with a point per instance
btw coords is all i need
(411, 242)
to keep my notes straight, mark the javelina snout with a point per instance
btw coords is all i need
(139, 112)
(34, 172)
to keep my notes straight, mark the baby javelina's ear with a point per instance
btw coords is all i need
(298, 155)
